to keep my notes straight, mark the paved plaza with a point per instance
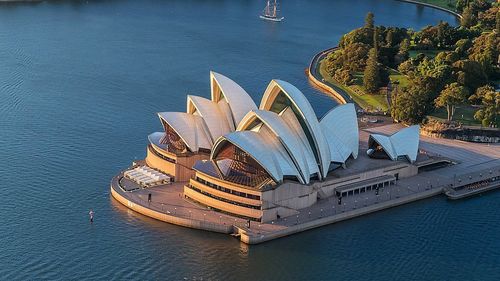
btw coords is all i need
(474, 162)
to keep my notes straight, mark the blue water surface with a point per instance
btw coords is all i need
(80, 83)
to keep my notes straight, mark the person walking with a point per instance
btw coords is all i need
(91, 216)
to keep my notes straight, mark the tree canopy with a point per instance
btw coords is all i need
(452, 95)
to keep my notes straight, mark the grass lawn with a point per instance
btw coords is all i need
(464, 115)
(366, 101)
(398, 78)
(428, 53)
(447, 4)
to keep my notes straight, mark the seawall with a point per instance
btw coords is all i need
(260, 238)
(433, 6)
(315, 78)
(149, 211)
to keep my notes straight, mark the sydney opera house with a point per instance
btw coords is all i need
(265, 162)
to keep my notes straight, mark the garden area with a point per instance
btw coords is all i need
(440, 72)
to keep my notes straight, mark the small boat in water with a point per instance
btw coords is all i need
(271, 11)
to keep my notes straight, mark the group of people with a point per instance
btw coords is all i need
(477, 185)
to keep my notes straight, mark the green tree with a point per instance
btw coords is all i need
(462, 46)
(403, 52)
(498, 22)
(468, 18)
(410, 105)
(452, 95)
(369, 20)
(461, 4)
(485, 50)
(371, 77)
(344, 76)
(490, 100)
(389, 38)
(470, 73)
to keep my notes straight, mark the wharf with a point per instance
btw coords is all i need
(456, 194)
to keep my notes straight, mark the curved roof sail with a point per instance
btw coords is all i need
(340, 127)
(190, 128)
(403, 143)
(238, 99)
(214, 118)
(265, 150)
(279, 95)
(300, 153)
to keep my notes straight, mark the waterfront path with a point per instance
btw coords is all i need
(169, 201)
(317, 79)
(474, 162)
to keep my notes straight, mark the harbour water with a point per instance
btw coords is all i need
(80, 82)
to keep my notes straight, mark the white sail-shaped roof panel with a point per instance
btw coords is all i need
(238, 99)
(264, 149)
(307, 114)
(215, 120)
(190, 128)
(286, 164)
(405, 142)
(291, 120)
(340, 127)
(402, 143)
(226, 111)
(289, 139)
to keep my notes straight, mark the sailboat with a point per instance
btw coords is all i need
(271, 11)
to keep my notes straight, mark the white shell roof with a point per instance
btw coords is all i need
(300, 153)
(402, 143)
(190, 128)
(238, 99)
(308, 115)
(340, 127)
(291, 142)
(214, 118)
(266, 150)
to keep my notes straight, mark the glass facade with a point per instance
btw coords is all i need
(239, 167)
(223, 199)
(227, 190)
(172, 140)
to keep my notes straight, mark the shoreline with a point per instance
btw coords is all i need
(317, 79)
(169, 205)
(459, 16)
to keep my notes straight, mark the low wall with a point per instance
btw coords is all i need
(197, 224)
(470, 135)
(260, 238)
(433, 6)
(311, 72)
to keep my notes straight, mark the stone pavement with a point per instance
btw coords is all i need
(475, 162)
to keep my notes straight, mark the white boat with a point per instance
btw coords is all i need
(271, 11)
